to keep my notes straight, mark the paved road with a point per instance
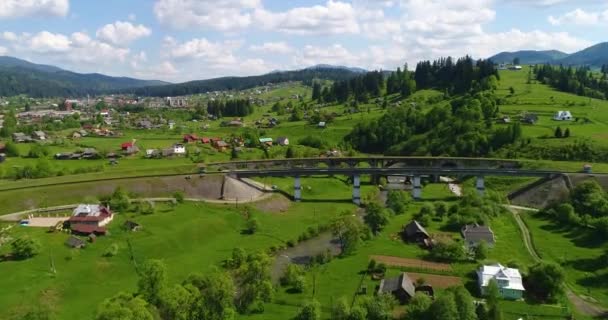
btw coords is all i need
(579, 303)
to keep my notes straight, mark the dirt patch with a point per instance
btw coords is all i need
(278, 204)
(412, 263)
(543, 194)
(436, 281)
(235, 189)
(45, 222)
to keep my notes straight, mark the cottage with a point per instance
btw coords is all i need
(205, 140)
(179, 149)
(474, 234)
(144, 124)
(220, 145)
(562, 116)
(414, 232)
(509, 280)
(39, 135)
(75, 242)
(90, 218)
(530, 118)
(266, 141)
(90, 153)
(167, 152)
(20, 137)
(322, 124)
(283, 141)
(76, 135)
(190, 138)
(402, 287)
(132, 226)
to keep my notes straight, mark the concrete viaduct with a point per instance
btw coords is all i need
(415, 168)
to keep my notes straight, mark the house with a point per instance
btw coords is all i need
(474, 234)
(414, 232)
(90, 153)
(322, 124)
(562, 116)
(132, 226)
(75, 242)
(167, 152)
(509, 280)
(90, 218)
(205, 140)
(20, 137)
(402, 287)
(515, 68)
(144, 124)
(129, 148)
(266, 141)
(283, 141)
(529, 118)
(235, 123)
(179, 149)
(504, 119)
(152, 153)
(76, 135)
(190, 138)
(220, 145)
(39, 135)
(2, 157)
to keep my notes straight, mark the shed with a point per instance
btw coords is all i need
(132, 226)
(415, 232)
(562, 116)
(2, 157)
(75, 242)
(401, 287)
(283, 141)
(474, 234)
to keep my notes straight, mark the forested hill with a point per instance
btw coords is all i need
(594, 57)
(241, 83)
(23, 77)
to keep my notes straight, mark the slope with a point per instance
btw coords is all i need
(529, 56)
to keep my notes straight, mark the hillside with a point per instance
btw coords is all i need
(529, 56)
(22, 77)
(241, 83)
(594, 57)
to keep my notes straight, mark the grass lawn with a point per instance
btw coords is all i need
(577, 250)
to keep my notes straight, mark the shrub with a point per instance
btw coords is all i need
(111, 250)
(179, 196)
(25, 247)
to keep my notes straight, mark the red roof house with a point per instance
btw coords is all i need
(205, 140)
(126, 145)
(189, 138)
(90, 219)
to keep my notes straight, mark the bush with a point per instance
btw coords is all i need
(179, 196)
(252, 225)
(25, 247)
(312, 141)
(449, 252)
(10, 149)
(111, 250)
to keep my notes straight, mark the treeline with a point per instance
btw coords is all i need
(464, 75)
(230, 108)
(580, 81)
(463, 128)
(242, 83)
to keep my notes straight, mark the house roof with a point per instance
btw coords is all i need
(499, 272)
(413, 228)
(477, 233)
(126, 145)
(131, 224)
(282, 139)
(87, 229)
(75, 242)
(402, 282)
(265, 140)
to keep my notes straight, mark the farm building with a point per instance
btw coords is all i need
(132, 226)
(509, 280)
(283, 141)
(562, 116)
(474, 234)
(20, 137)
(90, 218)
(39, 135)
(529, 118)
(179, 149)
(402, 287)
(75, 242)
(190, 138)
(414, 232)
(266, 141)
(220, 145)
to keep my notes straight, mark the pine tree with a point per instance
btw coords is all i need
(558, 132)
(316, 91)
(567, 133)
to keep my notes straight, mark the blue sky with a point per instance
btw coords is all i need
(180, 40)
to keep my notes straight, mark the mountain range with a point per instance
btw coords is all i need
(594, 57)
(37, 80)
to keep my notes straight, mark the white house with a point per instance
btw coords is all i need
(509, 280)
(179, 149)
(562, 116)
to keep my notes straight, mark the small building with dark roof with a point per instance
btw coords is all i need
(474, 234)
(402, 287)
(75, 242)
(415, 232)
(132, 226)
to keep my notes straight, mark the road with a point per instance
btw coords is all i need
(581, 305)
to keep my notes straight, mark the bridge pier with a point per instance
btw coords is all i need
(356, 189)
(417, 190)
(480, 185)
(297, 186)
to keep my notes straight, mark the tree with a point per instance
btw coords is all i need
(238, 257)
(176, 303)
(234, 154)
(255, 283)
(25, 247)
(558, 133)
(252, 225)
(464, 304)
(119, 200)
(567, 133)
(316, 91)
(38, 151)
(482, 312)
(418, 308)
(511, 90)
(379, 307)
(516, 61)
(444, 308)
(449, 252)
(179, 196)
(152, 280)
(309, 311)
(349, 231)
(376, 217)
(292, 273)
(492, 293)
(289, 154)
(124, 307)
(481, 250)
(441, 209)
(11, 149)
(340, 310)
(545, 281)
(397, 201)
(214, 297)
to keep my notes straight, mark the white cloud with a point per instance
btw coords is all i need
(272, 47)
(8, 36)
(3, 51)
(580, 17)
(122, 33)
(215, 53)
(45, 41)
(223, 15)
(335, 54)
(21, 8)
(334, 17)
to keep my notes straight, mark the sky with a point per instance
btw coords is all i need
(182, 40)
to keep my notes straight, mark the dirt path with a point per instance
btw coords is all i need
(455, 188)
(579, 303)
